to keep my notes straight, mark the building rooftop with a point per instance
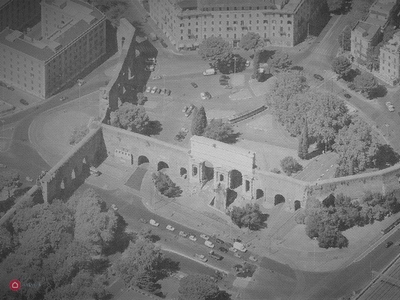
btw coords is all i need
(382, 7)
(366, 30)
(374, 21)
(31, 43)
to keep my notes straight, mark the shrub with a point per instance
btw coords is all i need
(289, 165)
(165, 185)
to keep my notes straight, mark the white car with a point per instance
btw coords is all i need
(192, 237)
(183, 234)
(205, 95)
(209, 244)
(114, 207)
(201, 257)
(389, 106)
(252, 258)
(148, 89)
(170, 228)
(156, 77)
(234, 250)
(154, 90)
(204, 236)
(154, 223)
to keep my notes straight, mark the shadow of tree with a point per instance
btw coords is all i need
(121, 238)
(223, 295)
(265, 55)
(233, 138)
(386, 157)
(154, 128)
(231, 195)
(166, 267)
(379, 92)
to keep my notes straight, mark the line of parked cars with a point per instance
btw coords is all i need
(156, 90)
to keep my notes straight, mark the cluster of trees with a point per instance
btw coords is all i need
(216, 129)
(56, 246)
(219, 54)
(130, 117)
(200, 287)
(9, 182)
(165, 185)
(289, 165)
(328, 124)
(327, 219)
(249, 216)
(78, 134)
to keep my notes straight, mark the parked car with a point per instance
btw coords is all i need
(10, 88)
(209, 244)
(148, 89)
(247, 64)
(233, 249)
(184, 129)
(114, 207)
(223, 76)
(205, 96)
(185, 108)
(154, 223)
(222, 249)
(215, 255)
(164, 44)
(150, 68)
(153, 90)
(194, 84)
(192, 237)
(63, 98)
(158, 91)
(156, 77)
(228, 87)
(204, 236)
(224, 82)
(190, 110)
(183, 234)
(252, 258)
(219, 241)
(151, 60)
(389, 106)
(201, 257)
(388, 244)
(319, 77)
(142, 221)
(348, 96)
(237, 255)
(24, 102)
(170, 228)
(167, 92)
(162, 91)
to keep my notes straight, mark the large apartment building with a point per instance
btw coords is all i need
(70, 37)
(188, 22)
(16, 14)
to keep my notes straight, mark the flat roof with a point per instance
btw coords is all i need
(42, 49)
(366, 29)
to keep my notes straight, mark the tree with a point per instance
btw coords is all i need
(280, 62)
(9, 181)
(165, 185)
(231, 63)
(366, 83)
(251, 41)
(303, 142)
(345, 38)
(199, 122)
(141, 265)
(220, 131)
(78, 134)
(6, 242)
(130, 117)
(92, 224)
(372, 62)
(141, 98)
(198, 287)
(289, 165)
(249, 216)
(214, 49)
(357, 146)
(341, 66)
(335, 5)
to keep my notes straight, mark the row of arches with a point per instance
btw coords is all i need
(160, 165)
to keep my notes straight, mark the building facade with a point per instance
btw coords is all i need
(389, 60)
(17, 14)
(187, 23)
(70, 37)
(364, 36)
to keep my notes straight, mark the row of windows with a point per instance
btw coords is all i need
(249, 28)
(236, 22)
(234, 36)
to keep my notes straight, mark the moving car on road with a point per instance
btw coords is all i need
(154, 223)
(319, 77)
(201, 257)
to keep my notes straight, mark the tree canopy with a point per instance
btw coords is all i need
(366, 83)
(280, 62)
(199, 121)
(249, 216)
(251, 41)
(165, 185)
(345, 38)
(289, 165)
(198, 287)
(341, 66)
(130, 117)
(214, 49)
(220, 131)
(335, 4)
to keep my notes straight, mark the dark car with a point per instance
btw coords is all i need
(348, 96)
(222, 249)
(388, 244)
(219, 241)
(194, 84)
(319, 77)
(142, 220)
(223, 76)
(24, 102)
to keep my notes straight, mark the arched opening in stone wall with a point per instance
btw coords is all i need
(297, 205)
(236, 179)
(142, 160)
(208, 171)
(279, 199)
(162, 165)
(183, 172)
(259, 193)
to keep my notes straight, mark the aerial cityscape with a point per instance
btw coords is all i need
(200, 149)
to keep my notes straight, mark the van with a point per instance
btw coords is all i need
(209, 72)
